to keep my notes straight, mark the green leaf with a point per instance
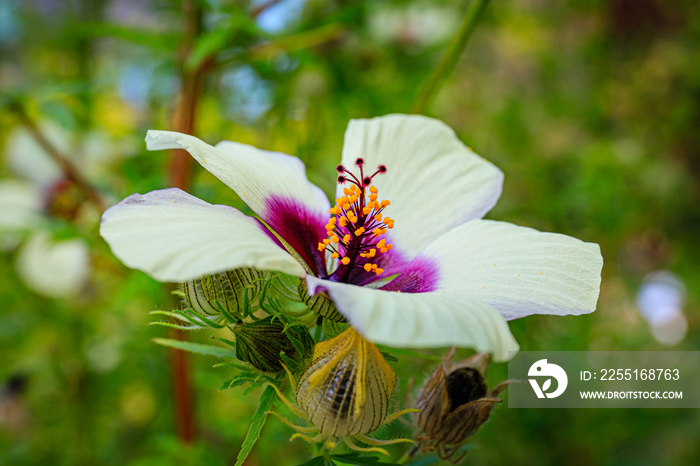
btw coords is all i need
(235, 365)
(318, 461)
(151, 39)
(195, 347)
(267, 400)
(356, 458)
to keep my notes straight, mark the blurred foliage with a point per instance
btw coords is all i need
(590, 107)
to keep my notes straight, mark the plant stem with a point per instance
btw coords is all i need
(69, 169)
(449, 59)
(180, 172)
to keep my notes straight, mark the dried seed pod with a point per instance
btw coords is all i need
(227, 288)
(261, 342)
(320, 303)
(346, 389)
(454, 403)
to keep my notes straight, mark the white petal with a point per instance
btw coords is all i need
(434, 182)
(518, 270)
(273, 184)
(420, 319)
(20, 204)
(54, 269)
(256, 175)
(174, 237)
(28, 158)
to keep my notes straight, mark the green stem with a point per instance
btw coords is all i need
(450, 58)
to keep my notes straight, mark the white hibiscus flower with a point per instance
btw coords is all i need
(440, 276)
(53, 269)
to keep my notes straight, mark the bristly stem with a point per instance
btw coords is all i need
(449, 59)
(180, 171)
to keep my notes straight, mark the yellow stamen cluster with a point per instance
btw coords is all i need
(355, 219)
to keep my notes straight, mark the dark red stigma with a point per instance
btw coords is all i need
(340, 168)
(342, 179)
(360, 161)
(381, 169)
(367, 181)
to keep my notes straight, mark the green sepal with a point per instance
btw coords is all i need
(192, 347)
(261, 342)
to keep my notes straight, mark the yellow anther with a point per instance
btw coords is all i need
(379, 271)
(345, 260)
(372, 253)
(374, 266)
(381, 244)
(385, 203)
(373, 189)
(366, 210)
(378, 218)
(346, 238)
(372, 197)
(335, 210)
(326, 241)
(346, 191)
(335, 255)
(353, 199)
(391, 223)
(376, 232)
(398, 291)
(390, 246)
(343, 221)
(368, 267)
(335, 239)
(359, 231)
(332, 220)
(321, 247)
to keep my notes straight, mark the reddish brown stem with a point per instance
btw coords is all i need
(64, 163)
(180, 172)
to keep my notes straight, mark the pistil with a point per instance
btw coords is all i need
(356, 224)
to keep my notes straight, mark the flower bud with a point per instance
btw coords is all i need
(261, 342)
(320, 303)
(454, 403)
(228, 289)
(346, 389)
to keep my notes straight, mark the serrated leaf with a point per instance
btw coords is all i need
(267, 400)
(198, 348)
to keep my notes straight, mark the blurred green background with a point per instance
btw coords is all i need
(590, 107)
